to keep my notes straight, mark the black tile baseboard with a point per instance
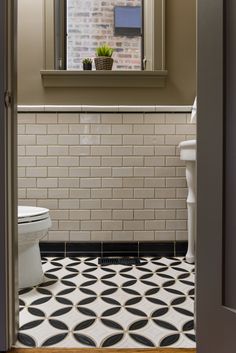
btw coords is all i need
(108, 249)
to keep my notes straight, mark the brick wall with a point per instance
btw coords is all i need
(91, 24)
(106, 176)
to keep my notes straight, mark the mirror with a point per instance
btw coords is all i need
(134, 29)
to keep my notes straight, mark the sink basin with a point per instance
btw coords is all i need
(188, 150)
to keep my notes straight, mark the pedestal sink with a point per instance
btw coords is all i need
(188, 154)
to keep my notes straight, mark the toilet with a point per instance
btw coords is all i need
(33, 225)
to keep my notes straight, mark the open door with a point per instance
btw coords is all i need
(216, 233)
(8, 189)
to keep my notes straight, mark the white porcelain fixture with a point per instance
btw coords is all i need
(33, 225)
(188, 154)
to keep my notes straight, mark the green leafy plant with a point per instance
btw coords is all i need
(87, 61)
(104, 50)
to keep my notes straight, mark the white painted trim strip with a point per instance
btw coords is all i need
(106, 108)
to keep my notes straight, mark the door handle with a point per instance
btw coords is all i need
(7, 99)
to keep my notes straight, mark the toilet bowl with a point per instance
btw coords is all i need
(33, 225)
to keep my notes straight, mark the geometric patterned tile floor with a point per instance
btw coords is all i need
(83, 305)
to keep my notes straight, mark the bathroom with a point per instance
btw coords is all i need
(101, 152)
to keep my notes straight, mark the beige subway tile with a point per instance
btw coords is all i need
(165, 150)
(46, 161)
(136, 118)
(101, 150)
(133, 204)
(132, 161)
(111, 139)
(90, 204)
(180, 171)
(26, 161)
(21, 150)
(176, 225)
(165, 235)
(154, 140)
(46, 118)
(133, 139)
(21, 193)
(79, 129)
(68, 161)
(36, 129)
(101, 129)
(55, 129)
(182, 193)
(165, 214)
(26, 118)
(58, 235)
(123, 193)
(27, 182)
(144, 235)
(26, 202)
(164, 171)
(68, 204)
(165, 193)
(80, 193)
(174, 161)
(112, 204)
(182, 214)
(101, 172)
(111, 118)
(144, 150)
(176, 118)
(79, 214)
(101, 193)
(47, 140)
(80, 236)
(68, 118)
(111, 182)
(58, 172)
(155, 225)
(90, 139)
(69, 182)
(21, 172)
(69, 225)
(186, 129)
(144, 129)
(144, 193)
(122, 172)
(37, 193)
(154, 161)
(101, 214)
(58, 214)
(101, 236)
(112, 161)
(36, 172)
(47, 183)
(154, 182)
(89, 118)
(112, 225)
(143, 171)
(20, 129)
(154, 203)
(58, 193)
(79, 150)
(122, 235)
(68, 139)
(89, 161)
(57, 150)
(157, 118)
(175, 203)
(181, 235)
(79, 172)
(174, 139)
(175, 182)
(165, 129)
(133, 182)
(122, 150)
(90, 182)
(50, 204)
(26, 140)
(144, 214)
(122, 129)
(133, 225)
(123, 214)
(91, 225)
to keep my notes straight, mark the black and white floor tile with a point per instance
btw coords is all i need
(83, 304)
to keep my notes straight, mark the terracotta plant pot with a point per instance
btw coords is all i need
(103, 63)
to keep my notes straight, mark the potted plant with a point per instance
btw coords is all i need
(104, 60)
(87, 64)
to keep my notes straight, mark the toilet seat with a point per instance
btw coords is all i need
(28, 214)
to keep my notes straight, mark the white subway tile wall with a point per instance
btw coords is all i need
(106, 176)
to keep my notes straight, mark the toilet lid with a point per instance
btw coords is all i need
(28, 214)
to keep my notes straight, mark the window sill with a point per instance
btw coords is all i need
(100, 79)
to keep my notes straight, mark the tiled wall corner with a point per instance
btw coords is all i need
(106, 176)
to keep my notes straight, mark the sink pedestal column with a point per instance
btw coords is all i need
(191, 204)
